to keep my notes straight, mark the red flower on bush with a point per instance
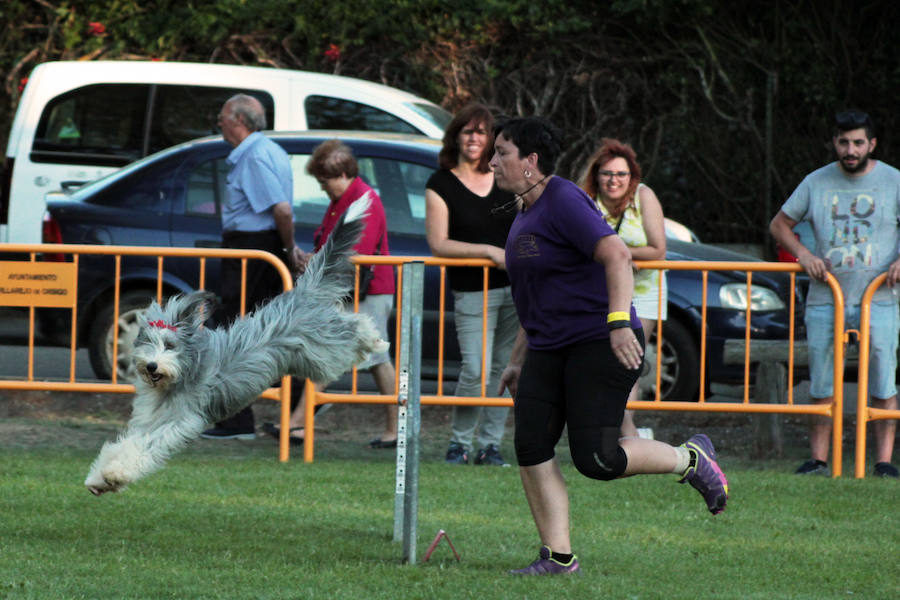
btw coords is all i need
(96, 28)
(333, 53)
(22, 83)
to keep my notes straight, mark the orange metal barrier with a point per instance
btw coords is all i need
(833, 410)
(865, 413)
(281, 394)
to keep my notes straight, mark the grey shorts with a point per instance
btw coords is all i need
(884, 325)
(377, 306)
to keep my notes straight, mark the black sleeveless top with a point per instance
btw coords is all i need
(474, 219)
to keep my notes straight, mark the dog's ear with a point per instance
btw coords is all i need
(194, 308)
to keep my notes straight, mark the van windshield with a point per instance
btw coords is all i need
(437, 115)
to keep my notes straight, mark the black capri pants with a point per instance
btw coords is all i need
(583, 386)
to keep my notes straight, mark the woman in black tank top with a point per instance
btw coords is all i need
(467, 216)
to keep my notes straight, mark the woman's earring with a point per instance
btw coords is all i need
(527, 173)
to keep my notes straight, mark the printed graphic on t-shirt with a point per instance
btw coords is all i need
(852, 215)
(526, 246)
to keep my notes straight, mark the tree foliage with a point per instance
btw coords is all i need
(729, 105)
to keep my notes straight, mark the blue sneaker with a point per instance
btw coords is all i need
(490, 455)
(704, 473)
(457, 454)
(545, 565)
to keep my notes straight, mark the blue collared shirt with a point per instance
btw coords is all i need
(259, 177)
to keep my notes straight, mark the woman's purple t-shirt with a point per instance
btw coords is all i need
(558, 288)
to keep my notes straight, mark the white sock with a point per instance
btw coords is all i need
(682, 460)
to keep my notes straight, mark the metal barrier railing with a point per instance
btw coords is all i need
(834, 411)
(281, 394)
(865, 413)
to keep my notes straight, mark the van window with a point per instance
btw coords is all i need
(93, 125)
(107, 124)
(185, 112)
(324, 112)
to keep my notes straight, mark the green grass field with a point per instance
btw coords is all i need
(229, 521)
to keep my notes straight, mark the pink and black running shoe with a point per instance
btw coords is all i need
(704, 473)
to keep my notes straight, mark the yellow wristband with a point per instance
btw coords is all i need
(618, 316)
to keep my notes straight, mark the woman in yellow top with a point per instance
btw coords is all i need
(613, 179)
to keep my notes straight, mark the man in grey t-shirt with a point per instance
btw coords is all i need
(853, 205)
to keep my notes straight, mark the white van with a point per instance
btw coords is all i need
(78, 121)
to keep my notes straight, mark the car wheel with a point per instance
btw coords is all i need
(680, 363)
(100, 335)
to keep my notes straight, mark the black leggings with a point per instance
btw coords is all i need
(585, 387)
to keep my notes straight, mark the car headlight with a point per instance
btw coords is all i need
(734, 295)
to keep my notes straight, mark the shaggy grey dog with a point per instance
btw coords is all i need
(191, 375)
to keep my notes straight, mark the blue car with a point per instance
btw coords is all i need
(173, 198)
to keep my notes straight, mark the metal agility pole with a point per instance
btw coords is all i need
(406, 497)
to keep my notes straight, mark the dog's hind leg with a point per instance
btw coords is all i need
(369, 340)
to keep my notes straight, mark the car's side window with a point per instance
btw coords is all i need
(401, 186)
(206, 189)
(310, 201)
(325, 112)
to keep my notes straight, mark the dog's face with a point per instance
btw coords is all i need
(165, 345)
(158, 352)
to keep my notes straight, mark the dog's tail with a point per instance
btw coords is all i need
(331, 262)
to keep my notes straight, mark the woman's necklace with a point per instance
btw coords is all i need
(521, 196)
(516, 199)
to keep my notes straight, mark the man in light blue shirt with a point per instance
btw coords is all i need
(853, 205)
(257, 214)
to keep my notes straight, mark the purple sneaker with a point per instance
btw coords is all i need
(548, 566)
(704, 473)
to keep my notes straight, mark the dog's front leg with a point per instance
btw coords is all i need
(137, 454)
(101, 478)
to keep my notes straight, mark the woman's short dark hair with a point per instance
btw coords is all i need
(331, 159)
(534, 134)
(449, 155)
